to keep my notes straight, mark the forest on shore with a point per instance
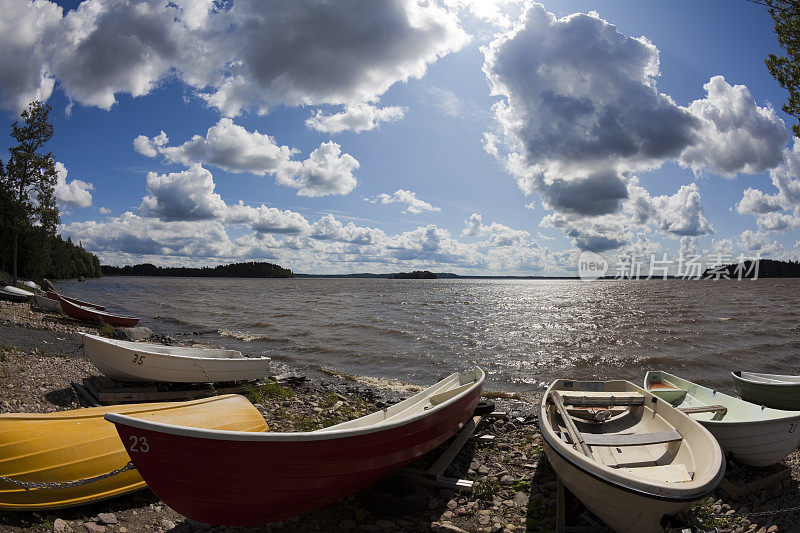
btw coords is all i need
(236, 270)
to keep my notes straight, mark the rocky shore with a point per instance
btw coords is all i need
(515, 490)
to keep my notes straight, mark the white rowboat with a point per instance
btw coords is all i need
(15, 294)
(140, 361)
(754, 435)
(633, 468)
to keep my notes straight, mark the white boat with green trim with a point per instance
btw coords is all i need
(753, 434)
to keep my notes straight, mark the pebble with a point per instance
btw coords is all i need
(450, 527)
(167, 524)
(107, 518)
(91, 527)
(60, 526)
(507, 479)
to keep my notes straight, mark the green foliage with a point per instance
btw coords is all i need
(485, 490)
(786, 69)
(29, 216)
(268, 391)
(235, 270)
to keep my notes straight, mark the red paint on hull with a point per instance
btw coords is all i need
(80, 312)
(241, 483)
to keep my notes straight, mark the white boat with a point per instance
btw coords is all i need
(633, 467)
(32, 285)
(15, 294)
(754, 435)
(48, 304)
(141, 361)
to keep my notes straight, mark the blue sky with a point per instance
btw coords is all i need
(466, 136)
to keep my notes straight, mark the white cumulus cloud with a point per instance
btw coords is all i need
(357, 118)
(413, 204)
(73, 194)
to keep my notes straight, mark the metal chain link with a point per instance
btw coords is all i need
(27, 485)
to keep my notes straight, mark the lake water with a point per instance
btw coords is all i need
(522, 332)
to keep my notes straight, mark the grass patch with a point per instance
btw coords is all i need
(107, 330)
(485, 490)
(268, 391)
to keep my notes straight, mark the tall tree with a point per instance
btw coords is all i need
(30, 177)
(786, 69)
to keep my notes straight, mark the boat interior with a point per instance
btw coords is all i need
(186, 351)
(620, 428)
(441, 392)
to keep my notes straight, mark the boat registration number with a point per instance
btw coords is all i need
(138, 444)
(138, 359)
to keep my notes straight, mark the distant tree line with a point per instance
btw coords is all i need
(29, 245)
(236, 270)
(766, 268)
(417, 274)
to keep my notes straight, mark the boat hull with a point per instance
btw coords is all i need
(226, 479)
(79, 444)
(15, 294)
(137, 362)
(87, 314)
(621, 510)
(46, 303)
(777, 396)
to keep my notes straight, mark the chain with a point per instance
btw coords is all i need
(759, 513)
(27, 485)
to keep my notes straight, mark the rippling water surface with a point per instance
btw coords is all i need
(522, 332)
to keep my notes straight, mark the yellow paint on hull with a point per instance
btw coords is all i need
(71, 445)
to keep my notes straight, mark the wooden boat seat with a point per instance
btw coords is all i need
(704, 409)
(672, 473)
(601, 399)
(630, 439)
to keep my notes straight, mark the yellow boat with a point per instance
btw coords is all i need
(80, 444)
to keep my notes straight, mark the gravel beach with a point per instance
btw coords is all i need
(515, 490)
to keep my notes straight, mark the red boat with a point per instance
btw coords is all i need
(54, 296)
(237, 478)
(89, 314)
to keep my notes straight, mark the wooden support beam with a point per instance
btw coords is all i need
(444, 460)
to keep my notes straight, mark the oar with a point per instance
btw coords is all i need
(574, 434)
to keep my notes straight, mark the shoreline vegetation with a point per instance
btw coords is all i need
(515, 490)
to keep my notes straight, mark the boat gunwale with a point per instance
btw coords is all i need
(241, 356)
(662, 492)
(165, 407)
(305, 436)
(737, 376)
